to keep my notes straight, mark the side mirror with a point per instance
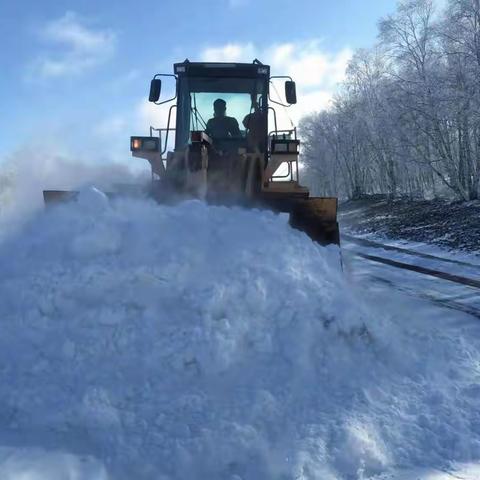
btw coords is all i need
(155, 89)
(290, 92)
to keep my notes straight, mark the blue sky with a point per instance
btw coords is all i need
(75, 74)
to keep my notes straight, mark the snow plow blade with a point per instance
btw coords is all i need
(316, 216)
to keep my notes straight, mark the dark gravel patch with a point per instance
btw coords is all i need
(452, 225)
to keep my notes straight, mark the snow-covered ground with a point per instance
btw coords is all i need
(147, 342)
(423, 248)
(452, 226)
(443, 292)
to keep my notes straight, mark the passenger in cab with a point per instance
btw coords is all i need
(254, 124)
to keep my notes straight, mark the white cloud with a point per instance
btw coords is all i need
(310, 65)
(75, 47)
(232, 52)
(312, 101)
(316, 71)
(148, 114)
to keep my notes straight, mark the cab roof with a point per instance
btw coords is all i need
(222, 69)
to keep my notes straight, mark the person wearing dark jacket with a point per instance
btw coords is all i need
(254, 124)
(221, 126)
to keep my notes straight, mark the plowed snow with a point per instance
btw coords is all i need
(196, 342)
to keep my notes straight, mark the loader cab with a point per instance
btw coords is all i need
(244, 90)
(241, 131)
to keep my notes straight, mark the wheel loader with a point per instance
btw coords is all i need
(227, 147)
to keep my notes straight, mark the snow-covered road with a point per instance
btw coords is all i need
(449, 292)
(190, 342)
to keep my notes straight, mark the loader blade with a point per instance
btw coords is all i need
(317, 217)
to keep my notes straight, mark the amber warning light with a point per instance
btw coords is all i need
(144, 144)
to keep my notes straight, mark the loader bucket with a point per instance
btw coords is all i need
(317, 217)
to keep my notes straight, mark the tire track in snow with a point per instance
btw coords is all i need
(406, 251)
(448, 301)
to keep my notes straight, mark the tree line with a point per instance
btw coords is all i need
(406, 120)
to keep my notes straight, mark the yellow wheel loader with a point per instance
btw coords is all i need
(224, 151)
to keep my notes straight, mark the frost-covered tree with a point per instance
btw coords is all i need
(406, 120)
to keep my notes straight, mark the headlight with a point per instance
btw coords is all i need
(144, 144)
(281, 147)
(285, 146)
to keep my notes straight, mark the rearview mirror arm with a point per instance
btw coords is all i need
(273, 101)
(167, 75)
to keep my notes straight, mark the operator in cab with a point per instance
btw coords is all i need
(221, 126)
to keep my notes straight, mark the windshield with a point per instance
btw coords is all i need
(226, 108)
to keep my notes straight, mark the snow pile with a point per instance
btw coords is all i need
(38, 464)
(195, 342)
